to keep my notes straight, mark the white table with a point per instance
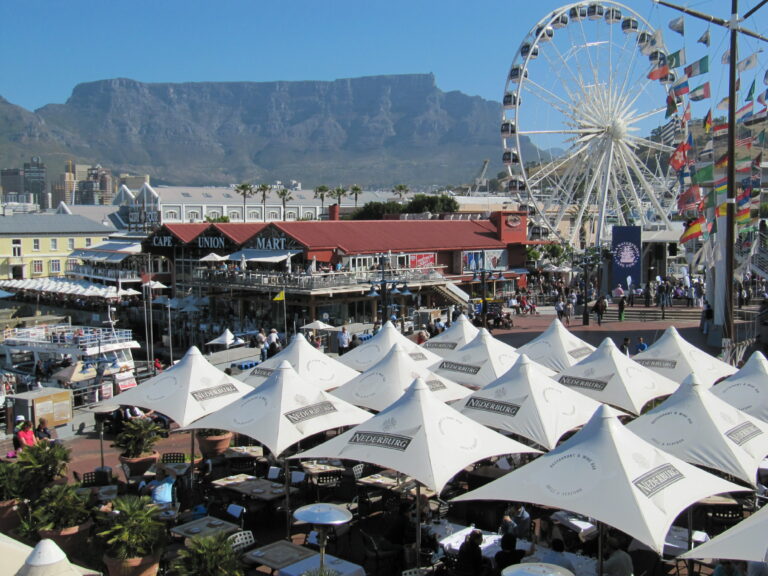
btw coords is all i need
(342, 567)
(584, 529)
(675, 543)
(535, 569)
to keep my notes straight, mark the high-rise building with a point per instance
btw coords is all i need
(35, 180)
(12, 181)
(133, 183)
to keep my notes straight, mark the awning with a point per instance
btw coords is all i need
(269, 256)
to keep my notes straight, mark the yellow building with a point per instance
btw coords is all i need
(41, 245)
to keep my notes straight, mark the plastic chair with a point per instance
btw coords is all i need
(237, 512)
(172, 458)
(374, 552)
(274, 473)
(414, 572)
(241, 541)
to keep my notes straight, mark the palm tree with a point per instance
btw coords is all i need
(355, 191)
(338, 193)
(321, 192)
(401, 190)
(264, 190)
(285, 196)
(246, 190)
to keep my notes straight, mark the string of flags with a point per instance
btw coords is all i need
(701, 191)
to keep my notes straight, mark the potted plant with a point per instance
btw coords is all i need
(63, 516)
(209, 556)
(133, 536)
(11, 491)
(137, 442)
(213, 442)
(41, 464)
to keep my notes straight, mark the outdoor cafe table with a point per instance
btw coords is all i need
(177, 468)
(253, 487)
(390, 480)
(339, 566)
(101, 493)
(585, 529)
(451, 536)
(280, 554)
(204, 527)
(675, 543)
(167, 511)
(244, 452)
(316, 468)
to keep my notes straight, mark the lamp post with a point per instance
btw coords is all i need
(170, 333)
(484, 275)
(387, 287)
(587, 260)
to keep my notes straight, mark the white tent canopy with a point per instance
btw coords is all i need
(320, 369)
(384, 382)
(460, 333)
(45, 559)
(745, 541)
(318, 325)
(698, 427)
(213, 257)
(266, 256)
(673, 357)
(527, 402)
(227, 339)
(421, 437)
(611, 377)
(556, 348)
(478, 363)
(188, 390)
(370, 352)
(747, 390)
(285, 409)
(608, 473)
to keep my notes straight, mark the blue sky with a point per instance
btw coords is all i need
(49, 46)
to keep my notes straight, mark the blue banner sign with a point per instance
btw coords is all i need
(627, 255)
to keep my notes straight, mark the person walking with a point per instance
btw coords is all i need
(622, 305)
(599, 309)
(343, 341)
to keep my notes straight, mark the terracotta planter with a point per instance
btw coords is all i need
(147, 566)
(9, 516)
(211, 446)
(72, 540)
(139, 466)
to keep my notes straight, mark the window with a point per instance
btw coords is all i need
(234, 215)
(71, 243)
(16, 247)
(88, 242)
(72, 264)
(309, 216)
(37, 266)
(54, 267)
(193, 215)
(54, 244)
(290, 216)
(254, 215)
(36, 244)
(273, 215)
(214, 214)
(171, 215)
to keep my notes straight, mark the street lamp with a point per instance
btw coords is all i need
(484, 275)
(588, 259)
(170, 333)
(387, 286)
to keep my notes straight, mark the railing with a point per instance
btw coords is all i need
(105, 273)
(64, 334)
(316, 281)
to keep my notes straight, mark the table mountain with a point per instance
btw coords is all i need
(373, 131)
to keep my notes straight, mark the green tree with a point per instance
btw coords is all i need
(285, 196)
(355, 192)
(320, 193)
(376, 210)
(338, 193)
(246, 190)
(401, 191)
(264, 190)
(217, 219)
(435, 204)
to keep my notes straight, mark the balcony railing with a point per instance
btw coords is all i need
(104, 273)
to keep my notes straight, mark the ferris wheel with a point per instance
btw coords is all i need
(576, 124)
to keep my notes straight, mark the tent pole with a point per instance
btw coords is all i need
(418, 524)
(192, 460)
(600, 548)
(287, 480)
(689, 562)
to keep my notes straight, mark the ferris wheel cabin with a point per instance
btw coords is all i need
(595, 11)
(578, 13)
(643, 40)
(508, 129)
(560, 21)
(657, 57)
(527, 49)
(517, 73)
(629, 26)
(545, 33)
(511, 100)
(613, 15)
(510, 157)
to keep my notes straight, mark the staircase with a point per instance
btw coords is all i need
(639, 313)
(452, 293)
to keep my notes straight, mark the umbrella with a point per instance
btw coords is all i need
(607, 472)
(527, 402)
(370, 352)
(698, 427)
(213, 257)
(419, 436)
(318, 325)
(387, 380)
(745, 541)
(673, 357)
(556, 348)
(46, 559)
(324, 371)
(226, 339)
(284, 410)
(747, 390)
(460, 333)
(479, 362)
(611, 377)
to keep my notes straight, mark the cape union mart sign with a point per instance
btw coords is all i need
(208, 242)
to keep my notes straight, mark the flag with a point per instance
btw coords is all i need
(745, 196)
(708, 122)
(679, 157)
(723, 104)
(668, 131)
(146, 278)
(757, 164)
(659, 72)
(657, 40)
(720, 130)
(700, 93)
(280, 296)
(720, 185)
(751, 93)
(689, 199)
(698, 67)
(748, 63)
(704, 174)
(743, 215)
(707, 152)
(681, 86)
(707, 201)
(759, 140)
(722, 162)
(722, 210)
(744, 142)
(704, 38)
(694, 230)
(744, 164)
(677, 25)
(744, 112)
(756, 118)
(676, 59)
(726, 57)
(671, 104)
(763, 97)
(687, 114)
